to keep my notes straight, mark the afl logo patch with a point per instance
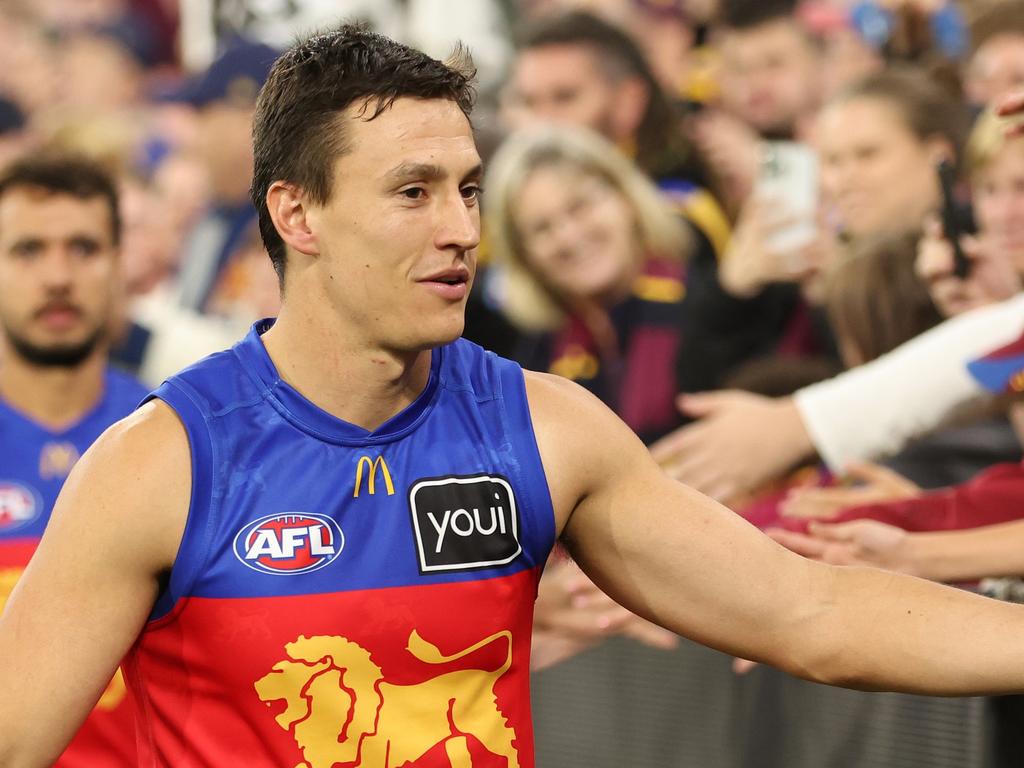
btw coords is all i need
(18, 506)
(289, 543)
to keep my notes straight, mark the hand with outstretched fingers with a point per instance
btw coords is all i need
(875, 484)
(858, 542)
(741, 441)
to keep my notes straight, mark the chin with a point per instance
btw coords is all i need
(437, 334)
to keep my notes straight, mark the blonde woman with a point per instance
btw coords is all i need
(591, 262)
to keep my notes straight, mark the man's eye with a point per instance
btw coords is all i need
(413, 193)
(26, 250)
(83, 247)
(472, 192)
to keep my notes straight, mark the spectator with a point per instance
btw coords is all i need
(995, 67)
(770, 87)
(225, 97)
(577, 69)
(995, 167)
(594, 259)
(879, 143)
(816, 417)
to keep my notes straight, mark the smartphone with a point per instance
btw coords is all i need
(789, 177)
(957, 219)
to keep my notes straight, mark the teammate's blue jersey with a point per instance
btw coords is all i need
(346, 597)
(34, 462)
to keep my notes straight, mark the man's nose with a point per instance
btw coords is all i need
(57, 268)
(459, 226)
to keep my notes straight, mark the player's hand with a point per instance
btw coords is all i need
(741, 441)
(876, 484)
(858, 542)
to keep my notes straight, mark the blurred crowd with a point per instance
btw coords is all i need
(783, 240)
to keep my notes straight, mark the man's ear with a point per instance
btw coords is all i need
(287, 203)
(631, 97)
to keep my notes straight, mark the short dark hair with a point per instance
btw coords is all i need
(61, 174)
(747, 14)
(296, 132)
(618, 56)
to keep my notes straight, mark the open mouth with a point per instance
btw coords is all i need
(451, 284)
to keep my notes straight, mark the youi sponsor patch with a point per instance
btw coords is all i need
(463, 523)
(289, 543)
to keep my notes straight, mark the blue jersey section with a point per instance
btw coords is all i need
(34, 460)
(289, 500)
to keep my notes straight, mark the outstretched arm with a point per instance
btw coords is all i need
(91, 584)
(684, 561)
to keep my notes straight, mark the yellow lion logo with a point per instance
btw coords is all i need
(340, 709)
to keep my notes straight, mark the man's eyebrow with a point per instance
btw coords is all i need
(418, 171)
(428, 172)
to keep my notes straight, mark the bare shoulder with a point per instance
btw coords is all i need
(558, 402)
(582, 443)
(135, 479)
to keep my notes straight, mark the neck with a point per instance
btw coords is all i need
(343, 374)
(53, 397)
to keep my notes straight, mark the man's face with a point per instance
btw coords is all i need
(770, 76)
(996, 69)
(225, 146)
(395, 241)
(58, 269)
(563, 84)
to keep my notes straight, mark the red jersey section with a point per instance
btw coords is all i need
(106, 739)
(432, 676)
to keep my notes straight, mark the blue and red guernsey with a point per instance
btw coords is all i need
(34, 462)
(344, 597)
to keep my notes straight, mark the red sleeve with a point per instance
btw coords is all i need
(993, 496)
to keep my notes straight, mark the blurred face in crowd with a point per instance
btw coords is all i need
(566, 84)
(996, 69)
(58, 269)
(998, 196)
(879, 176)
(29, 74)
(150, 239)
(770, 75)
(578, 233)
(225, 146)
(97, 74)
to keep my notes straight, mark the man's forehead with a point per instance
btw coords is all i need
(52, 213)
(412, 132)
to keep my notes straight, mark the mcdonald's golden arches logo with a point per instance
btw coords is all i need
(372, 465)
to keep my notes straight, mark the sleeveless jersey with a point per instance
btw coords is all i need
(343, 597)
(34, 462)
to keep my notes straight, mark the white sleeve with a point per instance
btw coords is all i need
(877, 408)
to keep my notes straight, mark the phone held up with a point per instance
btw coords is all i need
(957, 218)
